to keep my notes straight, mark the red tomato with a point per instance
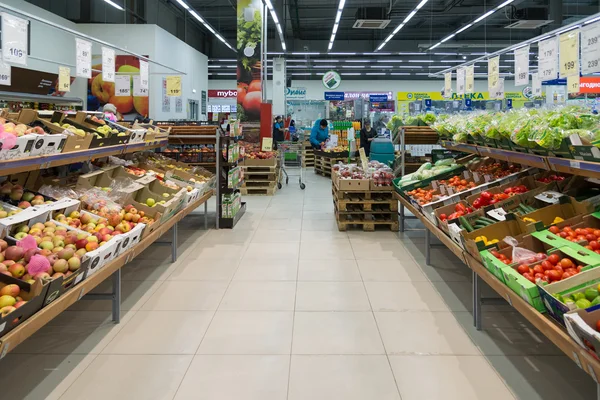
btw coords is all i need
(559, 268)
(588, 247)
(553, 259)
(580, 238)
(579, 268)
(590, 231)
(597, 232)
(595, 245)
(554, 229)
(554, 275)
(580, 231)
(529, 277)
(566, 263)
(539, 276)
(494, 252)
(566, 275)
(598, 325)
(547, 266)
(571, 270)
(523, 268)
(590, 238)
(507, 262)
(531, 260)
(563, 235)
(538, 269)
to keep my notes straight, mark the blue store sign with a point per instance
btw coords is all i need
(378, 98)
(334, 96)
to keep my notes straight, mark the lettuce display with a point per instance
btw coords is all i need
(428, 170)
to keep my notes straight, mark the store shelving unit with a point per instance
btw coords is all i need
(189, 133)
(222, 168)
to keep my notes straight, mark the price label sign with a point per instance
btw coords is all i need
(536, 85)
(569, 54)
(498, 91)
(590, 48)
(573, 84)
(493, 73)
(460, 81)
(5, 72)
(144, 74)
(267, 144)
(522, 66)
(138, 90)
(14, 39)
(123, 85)
(548, 59)
(64, 79)
(108, 64)
(363, 158)
(174, 86)
(448, 84)
(83, 61)
(470, 79)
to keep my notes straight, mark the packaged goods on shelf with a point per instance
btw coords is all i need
(16, 311)
(231, 204)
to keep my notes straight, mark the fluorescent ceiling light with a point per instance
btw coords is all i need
(442, 54)
(183, 4)
(277, 24)
(352, 73)
(375, 73)
(382, 66)
(302, 73)
(479, 19)
(326, 61)
(376, 54)
(390, 61)
(353, 66)
(592, 20)
(338, 17)
(115, 5)
(401, 25)
(421, 61)
(400, 73)
(342, 54)
(324, 66)
(305, 54)
(422, 73)
(358, 61)
(439, 66)
(224, 60)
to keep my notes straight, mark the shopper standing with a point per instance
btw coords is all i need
(367, 134)
(319, 134)
(278, 132)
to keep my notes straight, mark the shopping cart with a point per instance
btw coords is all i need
(290, 155)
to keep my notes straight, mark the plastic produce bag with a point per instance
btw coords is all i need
(58, 192)
(96, 199)
(521, 255)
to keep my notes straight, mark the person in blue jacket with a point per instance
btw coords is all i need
(319, 134)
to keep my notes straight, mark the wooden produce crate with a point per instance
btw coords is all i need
(420, 135)
(366, 208)
(260, 180)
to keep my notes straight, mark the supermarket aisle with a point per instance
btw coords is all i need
(287, 307)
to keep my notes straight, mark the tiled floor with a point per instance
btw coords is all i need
(286, 307)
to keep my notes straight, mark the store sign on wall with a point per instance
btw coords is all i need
(295, 93)
(411, 96)
(367, 95)
(222, 94)
(589, 84)
(332, 80)
(334, 96)
(378, 98)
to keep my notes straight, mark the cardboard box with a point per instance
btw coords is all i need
(499, 231)
(21, 149)
(29, 216)
(567, 208)
(167, 210)
(493, 264)
(581, 326)
(63, 206)
(34, 295)
(353, 185)
(255, 162)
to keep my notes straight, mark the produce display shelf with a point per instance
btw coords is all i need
(18, 335)
(531, 160)
(555, 333)
(577, 167)
(229, 223)
(55, 160)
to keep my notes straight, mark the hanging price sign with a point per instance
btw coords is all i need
(123, 85)
(498, 91)
(569, 54)
(15, 37)
(5, 72)
(590, 48)
(143, 75)
(64, 79)
(174, 86)
(470, 79)
(108, 64)
(138, 90)
(548, 59)
(536, 85)
(83, 58)
(522, 66)
(448, 84)
(493, 73)
(573, 84)
(460, 81)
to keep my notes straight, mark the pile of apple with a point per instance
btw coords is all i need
(10, 299)
(18, 194)
(106, 224)
(4, 213)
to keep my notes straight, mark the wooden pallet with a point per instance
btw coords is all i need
(261, 176)
(248, 169)
(258, 191)
(357, 197)
(367, 222)
(322, 172)
(259, 184)
(361, 205)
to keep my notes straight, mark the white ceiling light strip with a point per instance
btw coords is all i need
(479, 19)
(408, 18)
(203, 22)
(336, 23)
(277, 24)
(115, 5)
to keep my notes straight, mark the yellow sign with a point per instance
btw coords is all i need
(363, 159)
(267, 144)
(411, 96)
(174, 86)
(568, 54)
(64, 79)
(573, 84)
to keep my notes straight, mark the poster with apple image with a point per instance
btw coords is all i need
(101, 93)
(249, 34)
(331, 80)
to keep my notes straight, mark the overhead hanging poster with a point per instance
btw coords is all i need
(249, 33)
(522, 66)
(122, 85)
(143, 74)
(64, 79)
(493, 73)
(569, 53)
(548, 59)
(470, 79)
(108, 64)
(83, 58)
(448, 84)
(15, 39)
(536, 85)
(166, 100)
(138, 90)
(590, 48)
(460, 81)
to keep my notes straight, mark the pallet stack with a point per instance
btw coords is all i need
(308, 155)
(359, 203)
(260, 180)
(323, 164)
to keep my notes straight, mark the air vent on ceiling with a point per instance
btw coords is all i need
(530, 18)
(371, 18)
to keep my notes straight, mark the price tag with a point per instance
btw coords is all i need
(363, 159)
(79, 278)
(454, 231)
(498, 91)
(14, 39)
(174, 86)
(460, 81)
(83, 60)
(138, 91)
(267, 144)
(493, 73)
(547, 59)
(590, 48)
(522, 66)
(123, 85)
(573, 84)
(144, 82)
(569, 54)
(5, 73)
(108, 64)
(448, 84)
(470, 79)
(575, 164)
(498, 214)
(64, 79)
(536, 85)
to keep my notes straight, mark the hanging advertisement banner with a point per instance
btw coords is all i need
(569, 55)
(143, 74)
(108, 64)
(5, 73)
(249, 34)
(522, 66)
(83, 58)
(548, 59)
(590, 48)
(15, 39)
(470, 79)
(536, 85)
(123, 85)
(573, 84)
(138, 90)
(448, 84)
(460, 81)
(493, 73)
(174, 85)
(64, 79)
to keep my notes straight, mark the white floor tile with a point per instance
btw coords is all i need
(267, 269)
(328, 270)
(331, 296)
(186, 296)
(259, 296)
